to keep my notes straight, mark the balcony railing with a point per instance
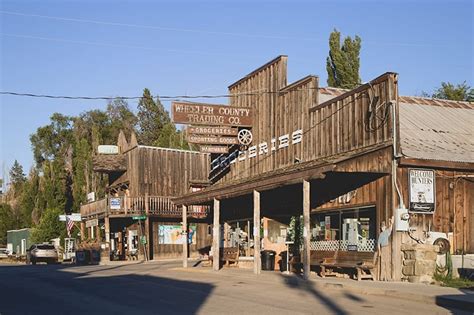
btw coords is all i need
(144, 205)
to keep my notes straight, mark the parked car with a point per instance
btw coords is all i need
(3, 253)
(41, 253)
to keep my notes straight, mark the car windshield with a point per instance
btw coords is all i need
(45, 247)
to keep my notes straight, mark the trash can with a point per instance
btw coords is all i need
(283, 265)
(268, 260)
(82, 257)
(94, 256)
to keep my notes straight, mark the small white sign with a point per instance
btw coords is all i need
(91, 223)
(91, 197)
(76, 217)
(422, 190)
(107, 149)
(115, 203)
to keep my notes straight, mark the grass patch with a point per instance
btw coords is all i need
(458, 283)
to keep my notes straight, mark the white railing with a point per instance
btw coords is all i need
(364, 245)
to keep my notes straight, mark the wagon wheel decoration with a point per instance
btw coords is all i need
(245, 137)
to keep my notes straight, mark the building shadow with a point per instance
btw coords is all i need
(457, 303)
(296, 282)
(53, 289)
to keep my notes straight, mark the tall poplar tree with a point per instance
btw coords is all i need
(343, 62)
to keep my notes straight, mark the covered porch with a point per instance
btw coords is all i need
(279, 195)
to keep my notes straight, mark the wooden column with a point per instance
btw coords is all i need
(83, 231)
(216, 236)
(257, 264)
(226, 234)
(185, 235)
(306, 229)
(107, 237)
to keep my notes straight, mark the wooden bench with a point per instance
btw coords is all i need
(230, 255)
(363, 262)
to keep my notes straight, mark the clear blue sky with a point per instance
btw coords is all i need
(111, 48)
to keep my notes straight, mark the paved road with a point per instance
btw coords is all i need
(162, 288)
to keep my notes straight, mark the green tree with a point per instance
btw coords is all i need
(17, 178)
(343, 62)
(7, 221)
(49, 226)
(152, 117)
(455, 92)
(169, 137)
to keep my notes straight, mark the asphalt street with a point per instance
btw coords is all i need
(164, 288)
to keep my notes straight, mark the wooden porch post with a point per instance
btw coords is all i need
(256, 233)
(306, 229)
(226, 234)
(216, 236)
(107, 237)
(185, 236)
(83, 231)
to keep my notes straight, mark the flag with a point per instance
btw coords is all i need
(69, 225)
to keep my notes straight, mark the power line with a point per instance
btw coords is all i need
(160, 28)
(164, 97)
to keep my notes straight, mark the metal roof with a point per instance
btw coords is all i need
(436, 129)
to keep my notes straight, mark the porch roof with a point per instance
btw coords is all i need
(290, 175)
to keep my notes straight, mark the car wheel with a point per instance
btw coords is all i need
(33, 261)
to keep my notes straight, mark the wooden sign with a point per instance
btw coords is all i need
(211, 139)
(214, 149)
(206, 130)
(211, 115)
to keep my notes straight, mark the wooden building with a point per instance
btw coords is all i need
(340, 156)
(137, 212)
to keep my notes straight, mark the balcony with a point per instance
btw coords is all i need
(146, 205)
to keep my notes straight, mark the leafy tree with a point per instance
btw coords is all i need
(49, 226)
(343, 62)
(455, 92)
(7, 221)
(152, 117)
(169, 137)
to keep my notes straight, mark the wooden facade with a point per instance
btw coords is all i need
(142, 182)
(351, 145)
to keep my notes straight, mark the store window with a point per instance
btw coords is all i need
(348, 229)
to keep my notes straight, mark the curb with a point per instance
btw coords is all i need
(460, 301)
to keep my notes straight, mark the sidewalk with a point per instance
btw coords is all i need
(442, 296)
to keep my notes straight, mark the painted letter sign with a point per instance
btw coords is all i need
(422, 190)
(211, 114)
(115, 203)
(221, 131)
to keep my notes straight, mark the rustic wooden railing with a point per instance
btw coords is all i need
(143, 205)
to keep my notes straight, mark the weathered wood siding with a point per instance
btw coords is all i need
(333, 128)
(454, 209)
(163, 172)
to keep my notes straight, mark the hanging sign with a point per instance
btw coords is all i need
(211, 114)
(201, 139)
(422, 190)
(206, 130)
(214, 149)
(115, 203)
(91, 223)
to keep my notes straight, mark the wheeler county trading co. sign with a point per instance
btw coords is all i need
(422, 190)
(211, 115)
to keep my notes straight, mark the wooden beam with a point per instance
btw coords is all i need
(306, 229)
(107, 236)
(185, 233)
(257, 264)
(261, 184)
(437, 164)
(216, 236)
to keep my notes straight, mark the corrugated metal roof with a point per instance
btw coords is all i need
(437, 130)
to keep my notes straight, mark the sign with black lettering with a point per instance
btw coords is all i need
(203, 139)
(211, 114)
(206, 130)
(214, 149)
(422, 190)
